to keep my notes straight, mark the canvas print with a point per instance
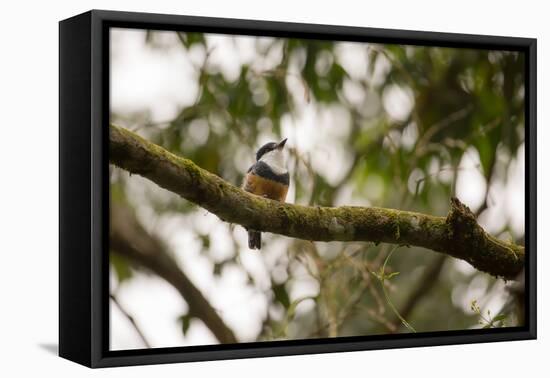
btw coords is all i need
(266, 189)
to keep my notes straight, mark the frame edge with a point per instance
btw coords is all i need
(74, 191)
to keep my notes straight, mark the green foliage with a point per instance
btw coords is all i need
(462, 101)
(189, 39)
(488, 321)
(121, 267)
(281, 295)
(185, 322)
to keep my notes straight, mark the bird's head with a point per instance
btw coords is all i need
(272, 154)
(270, 148)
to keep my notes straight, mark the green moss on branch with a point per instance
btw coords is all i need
(457, 235)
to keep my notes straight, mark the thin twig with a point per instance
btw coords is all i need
(382, 278)
(130, 319)
(427, 282)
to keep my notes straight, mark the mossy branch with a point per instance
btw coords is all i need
(458, 234)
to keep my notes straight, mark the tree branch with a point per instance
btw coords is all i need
(457, 235)
(129, 239)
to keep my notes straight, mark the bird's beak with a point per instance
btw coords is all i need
(282, 144)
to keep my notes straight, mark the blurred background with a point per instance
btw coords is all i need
(394, 126)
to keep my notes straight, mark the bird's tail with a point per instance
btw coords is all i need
(254, 240)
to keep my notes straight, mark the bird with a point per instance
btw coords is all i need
(267, 177)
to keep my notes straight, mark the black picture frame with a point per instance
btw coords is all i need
(84, 190)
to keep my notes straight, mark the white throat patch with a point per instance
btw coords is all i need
(276, 161)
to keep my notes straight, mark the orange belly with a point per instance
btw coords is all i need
(265, 187)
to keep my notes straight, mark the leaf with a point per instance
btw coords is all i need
(189, 39)
(486, 154)
(379, 275)
(185, 323)
(120, 266)
(218, 269)
(373, 54)
(500, 317)
(205, 239)
(391, 275)
(281, 295)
